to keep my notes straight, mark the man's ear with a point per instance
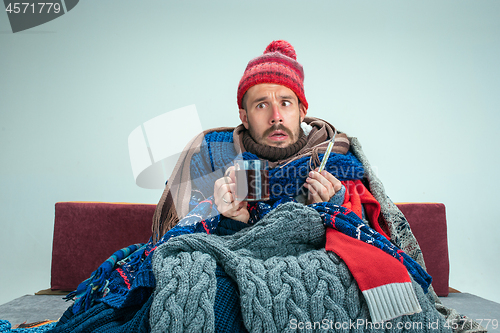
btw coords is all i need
(244, 118)
(302, 112)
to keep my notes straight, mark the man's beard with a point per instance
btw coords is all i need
(276, 127)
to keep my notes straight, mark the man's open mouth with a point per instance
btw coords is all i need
(278, 135)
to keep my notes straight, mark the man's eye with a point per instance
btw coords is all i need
(261, 105)
(286, 103)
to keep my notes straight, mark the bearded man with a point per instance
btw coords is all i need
(200, 200)
(272, 113)
(328, 251)
(272, 108)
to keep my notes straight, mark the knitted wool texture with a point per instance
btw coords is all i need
(98, 283)
(277, 65)
(206, 217)
(227, 308)
(337, 217)
(282, 273)
(102, 318)
(271, 153)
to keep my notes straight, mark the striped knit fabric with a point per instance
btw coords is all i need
(277, 65)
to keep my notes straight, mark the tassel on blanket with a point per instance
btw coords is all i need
(164, 217)
(98, 281)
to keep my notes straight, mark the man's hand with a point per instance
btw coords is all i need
(224, 189)
(322, 186)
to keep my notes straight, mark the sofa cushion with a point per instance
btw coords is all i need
(87, 233)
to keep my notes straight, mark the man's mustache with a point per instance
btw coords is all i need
(278, 127)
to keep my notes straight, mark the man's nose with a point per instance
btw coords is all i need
(276, 116)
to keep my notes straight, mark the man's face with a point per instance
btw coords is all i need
(273, 114)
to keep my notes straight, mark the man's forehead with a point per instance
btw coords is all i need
(264, 91)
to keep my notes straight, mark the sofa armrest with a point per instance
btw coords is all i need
(428, 224)
(87, 233)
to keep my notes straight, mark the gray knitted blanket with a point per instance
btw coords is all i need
(286, 279)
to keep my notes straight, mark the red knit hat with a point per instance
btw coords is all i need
(277, 65)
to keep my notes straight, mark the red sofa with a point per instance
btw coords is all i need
(87, 233)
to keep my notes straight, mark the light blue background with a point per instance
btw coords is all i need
(416, 81)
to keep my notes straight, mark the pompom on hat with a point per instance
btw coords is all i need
(277, 65)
